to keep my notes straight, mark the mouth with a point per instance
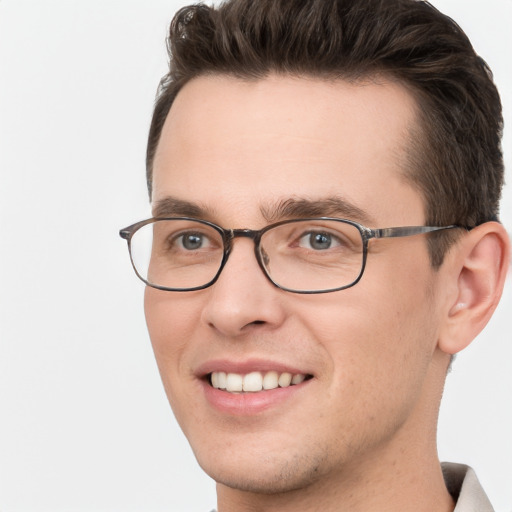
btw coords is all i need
(255, 382)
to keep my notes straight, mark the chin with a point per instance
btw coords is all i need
(268, 474)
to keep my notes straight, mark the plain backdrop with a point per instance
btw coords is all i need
(84, 423)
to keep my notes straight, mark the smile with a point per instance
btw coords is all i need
(254, 382)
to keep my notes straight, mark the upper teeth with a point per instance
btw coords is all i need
(254, 381)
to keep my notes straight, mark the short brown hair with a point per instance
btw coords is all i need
(455, 158)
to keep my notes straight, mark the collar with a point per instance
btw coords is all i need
(463, 485)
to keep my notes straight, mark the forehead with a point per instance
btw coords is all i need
(229, 143)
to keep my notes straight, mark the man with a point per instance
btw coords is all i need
(302, 344)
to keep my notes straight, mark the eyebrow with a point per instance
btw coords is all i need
(173, 207)
(333, 206)
(291, 208)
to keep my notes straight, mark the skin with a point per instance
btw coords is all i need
(361, 434)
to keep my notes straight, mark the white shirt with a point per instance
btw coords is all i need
(463, 485)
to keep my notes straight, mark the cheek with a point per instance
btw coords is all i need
(379, 340)
(171, 320)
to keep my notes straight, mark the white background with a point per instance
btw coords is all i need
(84, 424)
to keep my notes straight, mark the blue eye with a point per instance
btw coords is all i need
(318, 241)
(193, 241)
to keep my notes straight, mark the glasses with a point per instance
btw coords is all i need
(317, 255)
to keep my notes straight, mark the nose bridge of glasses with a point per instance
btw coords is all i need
(244, 233)
(254, 235)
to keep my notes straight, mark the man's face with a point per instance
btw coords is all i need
(236, 151)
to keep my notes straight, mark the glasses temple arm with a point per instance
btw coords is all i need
(407, 231)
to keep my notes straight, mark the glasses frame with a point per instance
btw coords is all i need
(228, 236)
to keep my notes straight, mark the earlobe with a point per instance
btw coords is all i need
(478, 268)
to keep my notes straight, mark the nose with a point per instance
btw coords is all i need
(243, 300)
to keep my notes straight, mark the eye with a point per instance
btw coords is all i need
(192, 241)
(318, 241)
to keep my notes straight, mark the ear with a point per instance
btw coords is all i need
(476, 268)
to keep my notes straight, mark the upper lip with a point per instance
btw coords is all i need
(247, 366)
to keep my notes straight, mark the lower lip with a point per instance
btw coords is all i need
(247, 404)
